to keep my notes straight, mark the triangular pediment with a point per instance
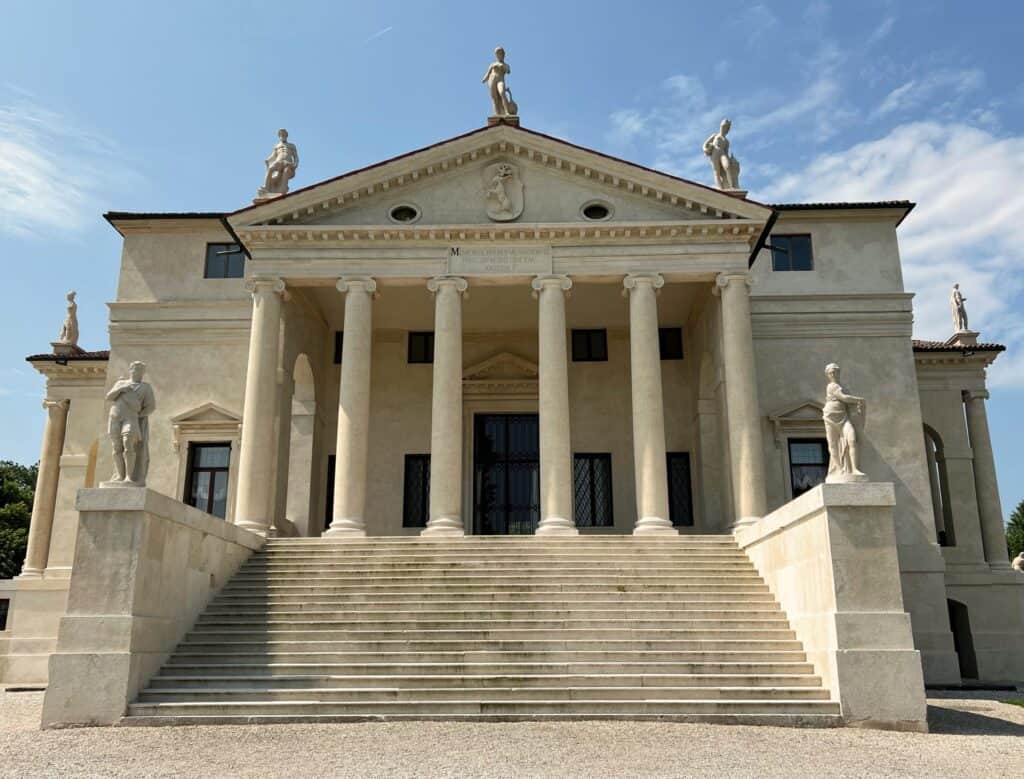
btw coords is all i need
(208, 413)
(454, 183)
(808, 410)
(503, 365)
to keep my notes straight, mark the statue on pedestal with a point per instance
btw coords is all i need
(1018, 563)
(725, 166)
(956, 304)
(844, 456)
(128, 426)
(281, 165)
(69, 330)
(501, 96)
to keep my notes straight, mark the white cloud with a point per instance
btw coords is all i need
(968, 226)
(949, 84)
(626, 126)
(757, 22)
(378, 34)
(882, 31)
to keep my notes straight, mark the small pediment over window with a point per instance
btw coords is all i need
(206, 422)
(797, 420)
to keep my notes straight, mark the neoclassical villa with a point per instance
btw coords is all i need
(457, 412)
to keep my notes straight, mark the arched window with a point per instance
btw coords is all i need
(939, 483)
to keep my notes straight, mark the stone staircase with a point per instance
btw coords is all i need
(493, 629)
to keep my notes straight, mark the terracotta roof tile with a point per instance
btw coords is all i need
(942, 346)
(103, 354)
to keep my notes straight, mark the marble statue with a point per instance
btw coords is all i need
(956, 304)
(1018, 562)
(128, 426)
(495, 80)
(723, 164)
(281, 165)
(69, 330)
(503, 191)
(844, 455)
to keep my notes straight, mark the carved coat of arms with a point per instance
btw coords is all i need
(503, 192)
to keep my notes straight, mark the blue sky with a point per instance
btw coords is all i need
(172, 107)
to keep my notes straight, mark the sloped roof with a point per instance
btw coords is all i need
(102, 354)
(942, 346)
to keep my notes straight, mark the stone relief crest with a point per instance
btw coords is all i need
(503, 192)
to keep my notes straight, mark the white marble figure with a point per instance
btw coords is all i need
(1018, 562)
(723, 164)
(128, 426)
(281, 165)
(495, 80)
(844, 456)
(69, 330)
(956, 304)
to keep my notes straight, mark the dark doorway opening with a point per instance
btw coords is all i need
(960, 624)
(506, 474)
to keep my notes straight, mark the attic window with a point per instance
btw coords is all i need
(596, 211)
(404, 213)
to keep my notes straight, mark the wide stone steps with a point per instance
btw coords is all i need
(502, 628)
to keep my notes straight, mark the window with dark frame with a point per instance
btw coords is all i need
(592, 477)
(589, 345)
(792, 252)
(421, 347)
(5, 607)
(224, 261)
(808, 463)
(416, 491)
(670, 343)
(206, 483)
(339, 342)
(680, 489)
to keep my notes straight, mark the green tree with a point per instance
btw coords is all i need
(17, 490)
(1015, 531)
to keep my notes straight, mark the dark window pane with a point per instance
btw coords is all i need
(201, 489)
(592, 474)
(670, 343)
(206, 481)
(589, 345)
(213, 456)
(219, 498)
(339, 342)
(416, 495)
(808, 463)
(792, 253)
(5, 605)
(421, 347)
(224, 261)
(680, 495)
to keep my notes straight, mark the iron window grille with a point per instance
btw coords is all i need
(416, 492)
(592, 476)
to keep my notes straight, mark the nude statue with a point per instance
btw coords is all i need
(69, 330)
(725, 166)
(844, 457)
(281, 165)
(1018, 562)
(495, 80)
(128, 426)
(956, 303)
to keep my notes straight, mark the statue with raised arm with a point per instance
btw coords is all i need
(132, 402)
(69, 330)
(723, 164)
(504, 105)
(281, 165)
(843, 450)
(956, 304)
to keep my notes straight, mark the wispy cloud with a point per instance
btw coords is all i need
(945, 85)
(379, 33)
(757, 22)
(881, 32)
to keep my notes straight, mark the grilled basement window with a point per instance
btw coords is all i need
(808, 463)
(206, 486)
(670, 343)
(589, 346)
(421, 347)
(224, 261)
(592, 476)
(339, 341)
(416, 493)
(792, 252)
(680, 492)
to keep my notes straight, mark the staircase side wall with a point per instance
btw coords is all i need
(145, 567)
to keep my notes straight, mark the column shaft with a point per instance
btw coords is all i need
(648, 408)
(990, 511)
(556, 473)
(746, 451)
(446, 410)
(254, 509)
(353, 410)
(45, 502)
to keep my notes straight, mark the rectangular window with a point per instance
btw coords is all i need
(416, 494)
(589, 346)
(680, 492)
(421, 347)
(792, 252)
(339, 341)
(5, 607)
(329, 489)
(592, 474)
(808, 463)
(670, 343)
(206, 484)
(224, 261)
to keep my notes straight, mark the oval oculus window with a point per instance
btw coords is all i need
(404, 213)
(596, 211)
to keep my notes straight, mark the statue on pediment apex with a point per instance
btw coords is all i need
(69, 330)
(959, 310)
(281, 166)
(723, 164)
(501, 95)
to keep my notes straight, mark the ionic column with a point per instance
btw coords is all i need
(556, 475)
(648, 410)
(446, 409)
(254, 507)
(745, 447)
(353, 410)
(46, 488)
(990, 511)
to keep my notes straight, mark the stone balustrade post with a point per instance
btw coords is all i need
(990, 511)
(45, 503)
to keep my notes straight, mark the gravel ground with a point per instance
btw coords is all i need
(972, 735)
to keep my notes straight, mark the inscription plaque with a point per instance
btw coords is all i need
(499, 260)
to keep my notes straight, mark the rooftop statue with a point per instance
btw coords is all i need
(501, 95)
(843, 449)
(725, 166)
(128, 426)
(69, 330)
(956, 304)
(281, 165)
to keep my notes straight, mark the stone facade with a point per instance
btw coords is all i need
(250, 363)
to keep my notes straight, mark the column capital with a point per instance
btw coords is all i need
(62, 404)
(551, 280)
(634, 280)
(969, 395)
(357, 284)
(723, 280)
(437, 283)
(265, 284)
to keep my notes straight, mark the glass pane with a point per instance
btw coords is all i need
(800, 252)
(603, 491)
(217, 456)
(806, 453)
(417, 490)
(780, 252)
(236, 265)
(200, 497)
(807, 476)
(580, 345)
(598, 345)
(220, 495)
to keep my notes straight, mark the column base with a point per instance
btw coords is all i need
(30, 573)
(259, 528)
(341, 529)
(556, 526)
(742, 523)
(444, 527)
(654, 526)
